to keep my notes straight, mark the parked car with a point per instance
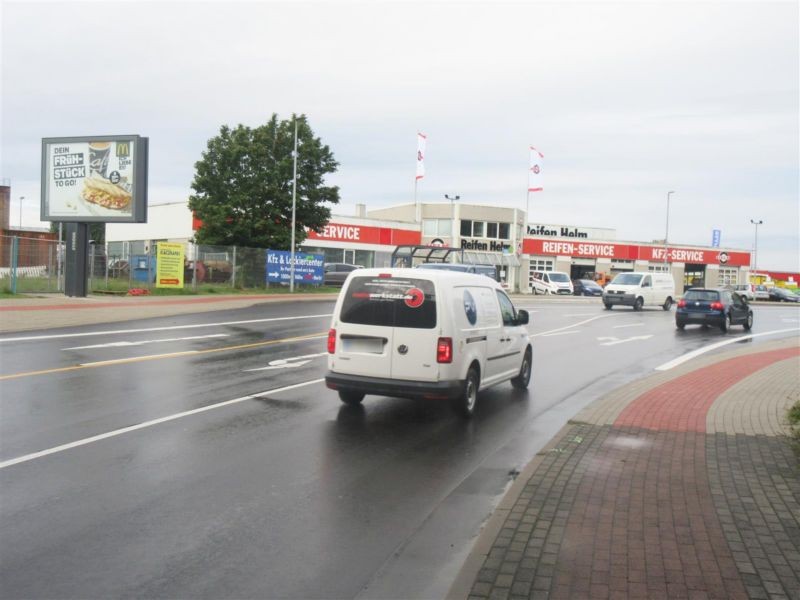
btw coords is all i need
(639, 290)
(425, 333)
(746, 290)
(335, 273)
(761, 292)
(777, 294)
(551, 282)
(719, 307)
(586, 287)
(487, 270)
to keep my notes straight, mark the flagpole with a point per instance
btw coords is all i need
(416, 207)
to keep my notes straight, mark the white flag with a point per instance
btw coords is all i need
(421, 139)
(535, 171)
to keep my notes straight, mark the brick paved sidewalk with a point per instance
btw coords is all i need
(681, 485)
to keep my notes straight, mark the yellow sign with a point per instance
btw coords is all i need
(169, 265)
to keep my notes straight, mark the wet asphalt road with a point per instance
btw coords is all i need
(282, 492)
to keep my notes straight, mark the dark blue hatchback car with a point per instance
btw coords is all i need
(719, 307)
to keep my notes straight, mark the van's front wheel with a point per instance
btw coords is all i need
(638, 303)
(464, 404)
(522, 380)
(350, 397)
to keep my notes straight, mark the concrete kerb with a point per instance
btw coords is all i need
(462, 585)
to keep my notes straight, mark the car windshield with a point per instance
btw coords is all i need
(390, 302)
(559, 277)
(701, 295)
(627, 279)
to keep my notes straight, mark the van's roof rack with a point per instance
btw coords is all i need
(404, 255)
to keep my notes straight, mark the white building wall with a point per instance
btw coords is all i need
(171, 222)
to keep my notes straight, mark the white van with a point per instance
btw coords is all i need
(640, 289)
(425, 333)
(551, 282)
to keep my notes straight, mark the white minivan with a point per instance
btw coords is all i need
(420, 333)
(551, 282)
(640, 289)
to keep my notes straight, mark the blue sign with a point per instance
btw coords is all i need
(307, 267)
(715, 238)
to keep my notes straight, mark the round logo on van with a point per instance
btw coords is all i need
(470, 308)
(414, 298)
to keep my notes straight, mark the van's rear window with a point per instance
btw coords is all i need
(390, 302)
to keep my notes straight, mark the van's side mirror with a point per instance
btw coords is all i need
(522, 317)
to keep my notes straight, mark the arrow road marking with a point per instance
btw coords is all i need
(614, 341)
(560, 333)
(287, 363)
(629, 325)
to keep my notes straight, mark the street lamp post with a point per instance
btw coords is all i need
(666, 234)
(755, 244)
(452, 218)
(294, 211)
(21, 198)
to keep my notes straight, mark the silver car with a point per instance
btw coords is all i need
(761, 292)
(745, 290)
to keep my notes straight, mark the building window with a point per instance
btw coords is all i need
(436, 227)
(658, 268)
(466, 228)
(478, 229)
(505, 231)
(491, 230)
(541, 264)
(728, 276)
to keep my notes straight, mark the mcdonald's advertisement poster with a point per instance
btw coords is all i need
(94, 179)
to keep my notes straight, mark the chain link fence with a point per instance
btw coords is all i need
(30, 265)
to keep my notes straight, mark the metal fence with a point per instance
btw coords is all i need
(29, 265)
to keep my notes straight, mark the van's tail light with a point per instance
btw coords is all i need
(444, 350)
(682, 304)
(716, 306)
(332, 341)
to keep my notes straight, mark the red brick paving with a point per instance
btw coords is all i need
(682, 404)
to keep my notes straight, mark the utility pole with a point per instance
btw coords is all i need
(755, 244)
(666, 234)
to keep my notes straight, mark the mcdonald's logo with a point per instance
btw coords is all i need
(123, 149)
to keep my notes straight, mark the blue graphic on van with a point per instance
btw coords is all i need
(470, 308)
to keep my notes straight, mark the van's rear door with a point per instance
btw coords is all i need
(387, 328)
(415, 329)
(365, 330)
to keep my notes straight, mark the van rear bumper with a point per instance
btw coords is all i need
(397, 388)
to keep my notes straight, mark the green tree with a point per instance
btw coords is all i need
(243, 185)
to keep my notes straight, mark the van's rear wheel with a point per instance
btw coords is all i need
(667, 303)
(521, 381)
(350, 397)
(465, 403)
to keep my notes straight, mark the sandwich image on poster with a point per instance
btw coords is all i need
(91, 179)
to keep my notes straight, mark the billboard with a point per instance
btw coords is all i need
(95, 179)
(307, 267)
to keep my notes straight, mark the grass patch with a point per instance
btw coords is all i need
(794, 424)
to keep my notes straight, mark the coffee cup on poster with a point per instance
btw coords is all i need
(98, 157)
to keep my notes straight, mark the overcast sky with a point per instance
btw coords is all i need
(627, 101)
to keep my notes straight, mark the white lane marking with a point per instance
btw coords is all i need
(628, 325)
(790, 320)
(127, 344)
(146, 329)
(560, 333)
(694, 353)
(116, 432)
(575, 324)
(612, 341)
(287, 363)
(581, 315)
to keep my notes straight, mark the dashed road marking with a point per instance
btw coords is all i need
(116, 432)
(612, 341)
(142, 342)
